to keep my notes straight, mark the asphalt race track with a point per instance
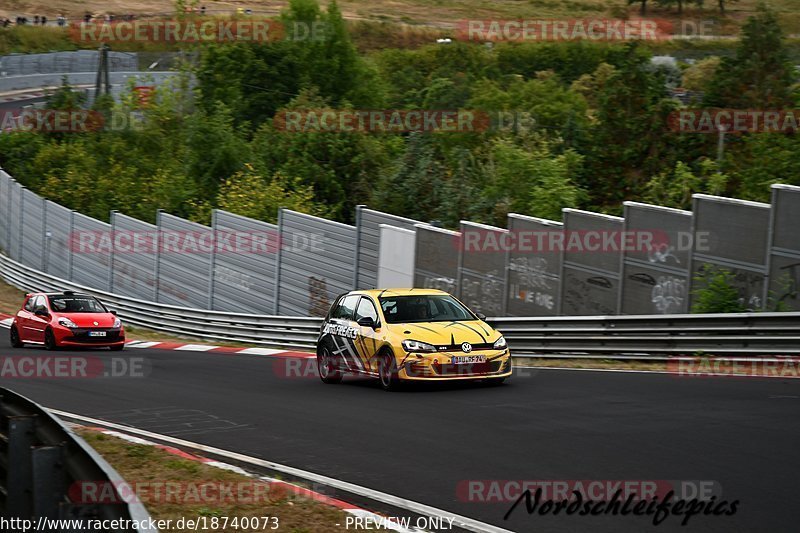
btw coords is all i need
(742, 433)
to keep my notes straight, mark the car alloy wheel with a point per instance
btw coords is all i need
(387, 372)
(50, 340)
(14, 337)
(327, 368)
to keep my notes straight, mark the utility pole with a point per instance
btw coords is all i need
(103, 80)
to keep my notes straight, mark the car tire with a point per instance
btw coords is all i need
(327, 367)
(387, 372)
(50, 342)
(117, 347)
(13, 336)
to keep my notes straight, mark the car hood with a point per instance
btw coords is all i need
(87, 320)
(447, 333)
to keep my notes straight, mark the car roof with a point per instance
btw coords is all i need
(58, 294)
(375, 293)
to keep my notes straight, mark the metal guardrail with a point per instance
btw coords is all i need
(650, 335)
(40, 459)
(627, 337)
(263, 330)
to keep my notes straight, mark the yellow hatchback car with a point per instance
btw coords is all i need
(403, 335)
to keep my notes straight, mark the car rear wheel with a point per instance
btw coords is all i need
(327, 367)
(387, 372)
(16, 342)
(50, 340)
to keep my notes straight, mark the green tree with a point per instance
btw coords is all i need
(676, 187)
(716, 292)
(761, 75)
(249, 194)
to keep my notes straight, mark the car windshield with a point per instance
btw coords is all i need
(424, 308)
(76, 304)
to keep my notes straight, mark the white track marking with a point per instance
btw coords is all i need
(463, 522)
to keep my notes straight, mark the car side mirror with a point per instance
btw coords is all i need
(367, 322)
(114, 313)
(480, 316)
(41, 312)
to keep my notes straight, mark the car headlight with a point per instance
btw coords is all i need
(500, 344)
(418, 346)
(117, 323)
(67, 323)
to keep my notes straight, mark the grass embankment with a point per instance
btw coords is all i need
(148, 467)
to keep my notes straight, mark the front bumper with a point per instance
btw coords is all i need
(80, 337)
(439, 366)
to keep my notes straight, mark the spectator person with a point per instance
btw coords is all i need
(62, 21)
(44, 20)
(203, 10)
(36, 20)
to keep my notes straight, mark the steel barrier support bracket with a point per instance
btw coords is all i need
(49, 480)
(19, 480)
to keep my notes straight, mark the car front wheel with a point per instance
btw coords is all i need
(387, 372)
(50, 340)
(16, 342)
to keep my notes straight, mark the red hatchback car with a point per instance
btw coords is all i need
(66, 319)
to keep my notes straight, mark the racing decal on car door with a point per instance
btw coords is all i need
(343, 337)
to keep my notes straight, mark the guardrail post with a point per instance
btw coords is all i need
(49, 480)
(19, 473)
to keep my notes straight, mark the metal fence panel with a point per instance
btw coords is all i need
(32, 245)
(368, 224)
(134, 265)
(482, 284)
(784, 259)
(436, 258)
(184, 261)
(77, 61)
(731, 234)
(655, 267)
(587, 292)
(317, 261)
(244, 273)
(5, 188)
(15, 222)
(534, 270)
(91, 252)
(58, 235)
(590, 279)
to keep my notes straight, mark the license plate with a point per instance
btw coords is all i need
(468, 359)
(97, 333)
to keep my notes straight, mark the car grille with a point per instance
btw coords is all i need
(490, 367)
(82, 335)
(457, 347)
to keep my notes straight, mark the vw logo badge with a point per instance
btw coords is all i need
(96, 323)
(466, 347)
